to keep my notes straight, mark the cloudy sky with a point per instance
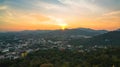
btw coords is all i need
(16, 15)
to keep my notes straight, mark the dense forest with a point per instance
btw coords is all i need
(100, 57)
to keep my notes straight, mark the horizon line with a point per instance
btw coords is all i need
(56, 29)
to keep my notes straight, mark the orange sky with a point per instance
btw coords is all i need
(54, 14)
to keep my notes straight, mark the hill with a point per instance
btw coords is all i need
(111, 38)
(52, 33)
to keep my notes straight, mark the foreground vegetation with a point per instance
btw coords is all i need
(67, 58)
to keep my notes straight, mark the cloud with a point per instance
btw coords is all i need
(80, 8)
(110, 20)
(113, 16)
(3, 7)
(81, 4)
(113, 13)
(57, 21)
(16, 17)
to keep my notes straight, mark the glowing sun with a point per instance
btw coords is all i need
(62, 23)
(63, 26)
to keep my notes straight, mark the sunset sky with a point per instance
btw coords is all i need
(17, 15)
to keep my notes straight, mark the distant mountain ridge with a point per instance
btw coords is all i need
(98, 37)
(82, 32)
(77, 31)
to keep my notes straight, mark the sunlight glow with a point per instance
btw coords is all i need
(63, 26)
(59, 14)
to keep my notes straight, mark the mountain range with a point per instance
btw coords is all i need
(96, 37)
(54, 33)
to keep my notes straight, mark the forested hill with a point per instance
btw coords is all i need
(111, 39)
